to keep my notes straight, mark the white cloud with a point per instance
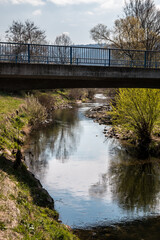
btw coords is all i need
(107, 4)
(32, 2)
(89, 13)
(3, 1)
(37, 12)
(103, 4)
(111, 4)
(66, 33)
(71, 2)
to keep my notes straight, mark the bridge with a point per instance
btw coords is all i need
(33, 66)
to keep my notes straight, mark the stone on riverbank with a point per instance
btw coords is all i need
(100, 114)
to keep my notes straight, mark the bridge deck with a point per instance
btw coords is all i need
(41, 76)
(31, 66)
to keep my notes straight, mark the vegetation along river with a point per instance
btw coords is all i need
(92, 179)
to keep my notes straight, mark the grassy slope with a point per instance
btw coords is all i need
(25, 211)
(9, 104)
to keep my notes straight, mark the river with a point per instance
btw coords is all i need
(92, 179)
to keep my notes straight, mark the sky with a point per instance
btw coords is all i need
(73, 17)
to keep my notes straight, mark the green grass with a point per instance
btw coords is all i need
(2, 226)
(8, 129)
(9, 104)
(37, 219)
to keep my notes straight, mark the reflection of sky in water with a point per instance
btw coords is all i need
(86, 188)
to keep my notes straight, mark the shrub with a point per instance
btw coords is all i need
(47, 101)
(138, 110)
(35, 111)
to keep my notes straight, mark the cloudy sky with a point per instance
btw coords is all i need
(75, 17)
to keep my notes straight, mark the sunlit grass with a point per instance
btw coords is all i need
(9, 104)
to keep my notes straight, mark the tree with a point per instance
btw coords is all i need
(26, 32)
(128, 33)
(138, 110)
(62, 51)
(63, 40)
(139, 29)
(149, 20)
(100, 33)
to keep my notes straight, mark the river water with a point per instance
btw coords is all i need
(92, 179)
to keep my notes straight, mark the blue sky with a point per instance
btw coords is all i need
(75, 17)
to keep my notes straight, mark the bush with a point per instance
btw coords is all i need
(35, 111)
(47, 101)
(138, 110)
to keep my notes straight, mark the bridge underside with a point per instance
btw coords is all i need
(46, 76)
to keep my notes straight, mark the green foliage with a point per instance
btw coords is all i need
(137, 110)
(18, 123)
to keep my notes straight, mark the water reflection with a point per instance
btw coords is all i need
(99, 189)
(92, 179)
(135, 184)
(60, 139)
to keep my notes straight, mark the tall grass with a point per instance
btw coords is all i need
(35, 111)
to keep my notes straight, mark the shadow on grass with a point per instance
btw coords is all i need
(27, 181)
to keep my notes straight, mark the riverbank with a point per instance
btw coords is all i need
(147, 229)
(26, 209)
(99, 185)
(103, 115)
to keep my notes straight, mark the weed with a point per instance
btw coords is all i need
(2, 226)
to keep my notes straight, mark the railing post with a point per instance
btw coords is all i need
(145, 59)
(109, 58)
(28, 53)
(71, 55)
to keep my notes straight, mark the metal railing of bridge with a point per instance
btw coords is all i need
(77, 55)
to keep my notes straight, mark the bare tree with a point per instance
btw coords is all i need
(149, 18)
(62, 51)
(63, 40)
(141, 22)
(100, 34)
(26, 32)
